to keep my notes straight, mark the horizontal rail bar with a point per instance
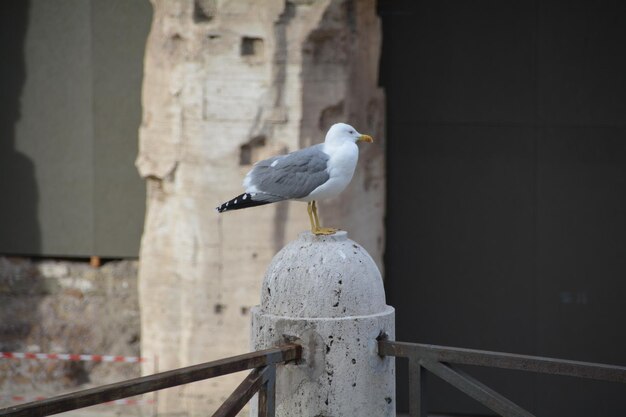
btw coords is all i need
(242, 394)
(162, 380)
(537, 364)
(477, 390)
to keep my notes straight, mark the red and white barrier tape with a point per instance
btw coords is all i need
(72, 357)
(20, 398)
(123, 401)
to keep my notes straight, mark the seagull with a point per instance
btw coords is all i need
(310, 174)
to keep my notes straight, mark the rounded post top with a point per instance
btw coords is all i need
(327, 276)
(338, 236)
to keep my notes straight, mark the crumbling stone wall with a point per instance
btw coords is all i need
(227, 84)
(58, 306)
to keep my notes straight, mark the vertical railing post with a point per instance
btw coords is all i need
(267, 394)
(417, 389)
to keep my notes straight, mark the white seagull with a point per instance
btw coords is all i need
(310, 174)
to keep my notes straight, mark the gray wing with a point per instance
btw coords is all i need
(294, 175)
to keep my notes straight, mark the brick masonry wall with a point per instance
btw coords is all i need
(55, 306)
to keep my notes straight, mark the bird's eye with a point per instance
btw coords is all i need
(352, 132)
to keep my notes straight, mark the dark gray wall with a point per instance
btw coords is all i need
(507, 189)
(71, 120)
(120, 30)
(19, 199)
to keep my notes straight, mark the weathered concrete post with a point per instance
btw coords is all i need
(327, 293)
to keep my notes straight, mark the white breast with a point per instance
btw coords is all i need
(341, 165)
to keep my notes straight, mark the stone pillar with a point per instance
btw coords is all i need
(228, 83)
(327, 293)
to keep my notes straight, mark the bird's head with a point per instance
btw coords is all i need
(340, 132)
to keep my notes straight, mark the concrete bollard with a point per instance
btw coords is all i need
(326, 293)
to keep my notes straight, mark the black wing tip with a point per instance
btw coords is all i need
(242, 201)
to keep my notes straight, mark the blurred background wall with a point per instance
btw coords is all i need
(506, 210)
(71, 79)
(70, 109)
(227, 84)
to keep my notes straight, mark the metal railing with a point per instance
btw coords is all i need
(262, 380)
(422, 358)
(439, 359)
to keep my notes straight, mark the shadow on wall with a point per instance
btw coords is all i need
(19, 227)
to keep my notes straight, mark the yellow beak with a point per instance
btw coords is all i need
(365, 138)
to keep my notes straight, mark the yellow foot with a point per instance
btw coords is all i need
(324, 231)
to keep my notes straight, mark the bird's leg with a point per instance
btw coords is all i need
(318, 229)
(309, 209)
(317, 220)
